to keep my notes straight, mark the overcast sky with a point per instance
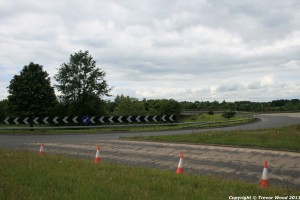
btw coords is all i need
(189, 50)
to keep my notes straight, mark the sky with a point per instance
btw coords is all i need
(193, 50)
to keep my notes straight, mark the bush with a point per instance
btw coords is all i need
(211, 112)
(228, 114)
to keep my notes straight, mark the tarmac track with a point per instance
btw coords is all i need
(240, 163)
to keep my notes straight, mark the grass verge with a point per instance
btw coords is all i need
(26, 175)
(286, 138)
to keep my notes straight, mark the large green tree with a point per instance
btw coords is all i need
(126, 106)
(4, 112)
(30, 93)
(81, 84)
(163, 107)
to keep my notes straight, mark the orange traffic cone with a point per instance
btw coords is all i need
(179, 168)
(42, 149)
(97, 159)
(264, 180)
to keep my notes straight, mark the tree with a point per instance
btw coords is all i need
(30, 93)
(169, 107)
(127, 106)
(228, 114)
(3, 109)
(82, 84)
(163, 107)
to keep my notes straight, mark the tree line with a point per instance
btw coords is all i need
(81, 86)
(282, 105)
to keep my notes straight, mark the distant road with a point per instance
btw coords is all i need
(267, 121)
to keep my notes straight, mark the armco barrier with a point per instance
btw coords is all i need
(185, 125)
(86, 120)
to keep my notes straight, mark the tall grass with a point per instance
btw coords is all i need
(25, 175)
(210, 118)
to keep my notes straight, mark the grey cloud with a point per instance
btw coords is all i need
(174, 48)
(254, 85)
(229, 87)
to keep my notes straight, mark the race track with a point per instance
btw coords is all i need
(240, 163)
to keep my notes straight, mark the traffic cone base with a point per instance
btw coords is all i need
(264, 183)
(179, 171)
(97, 160)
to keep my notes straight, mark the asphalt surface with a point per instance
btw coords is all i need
(240, 163)
(267, 121)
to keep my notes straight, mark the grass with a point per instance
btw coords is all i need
(194, 122)
(210, 118)
(26, 175)
(286, 138)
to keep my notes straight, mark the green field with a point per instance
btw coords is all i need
(26, 175)
(286, 138)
